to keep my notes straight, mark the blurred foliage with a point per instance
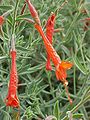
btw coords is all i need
(39, 92)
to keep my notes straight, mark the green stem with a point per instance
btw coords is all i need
(71, 26)
(14, 17)
(77, 106)
(74, 80)
(49, 79)
(80, 104)
(81, 49)
(75, 4)
(69, 31)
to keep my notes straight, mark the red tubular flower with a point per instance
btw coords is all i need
(12, 98)
(61, 66)
(49, 35)
(33, 12)
(1, 20)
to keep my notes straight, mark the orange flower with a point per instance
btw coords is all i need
(61, 66)
(49, 35)
(1, 20)
(12, 98)
(61, 71)
(33, 12)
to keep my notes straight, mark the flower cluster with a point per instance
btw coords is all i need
(61, 66)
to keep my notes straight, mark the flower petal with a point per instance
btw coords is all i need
(66, 65)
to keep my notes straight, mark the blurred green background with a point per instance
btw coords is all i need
(39, 92)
